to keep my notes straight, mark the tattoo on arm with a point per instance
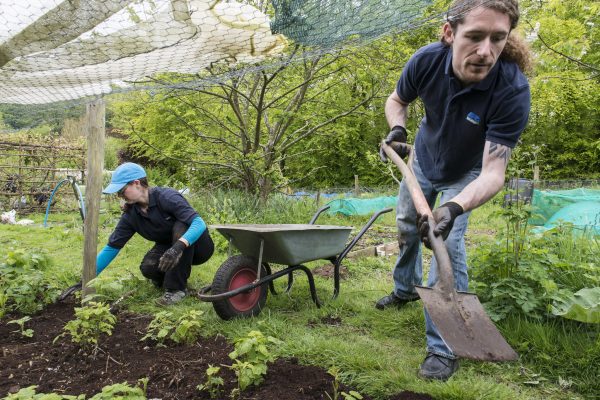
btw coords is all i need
(500, 151)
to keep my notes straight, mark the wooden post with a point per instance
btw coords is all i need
(536, 173)
(94, 127)
(318, 198)
(356, 187)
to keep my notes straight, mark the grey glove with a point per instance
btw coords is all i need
(444, 217)
(397, 134)
(171, 257)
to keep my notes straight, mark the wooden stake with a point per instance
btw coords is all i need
(356, 187)
(94, 126)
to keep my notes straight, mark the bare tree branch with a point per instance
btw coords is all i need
(184, 160)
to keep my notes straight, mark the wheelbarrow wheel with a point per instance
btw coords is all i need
(234, 273)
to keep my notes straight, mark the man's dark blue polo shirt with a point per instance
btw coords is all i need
(459, 120)
(165, 207)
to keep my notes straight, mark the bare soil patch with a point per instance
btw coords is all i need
(173, 371)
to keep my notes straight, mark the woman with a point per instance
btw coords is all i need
(164, 216)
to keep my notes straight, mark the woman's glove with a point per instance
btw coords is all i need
(171, 257)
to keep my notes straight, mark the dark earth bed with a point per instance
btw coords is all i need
(173, 372)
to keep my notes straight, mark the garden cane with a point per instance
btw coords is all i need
(458, 316)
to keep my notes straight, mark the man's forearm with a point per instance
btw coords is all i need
(491, 179)
(396, 112)
(482, 189)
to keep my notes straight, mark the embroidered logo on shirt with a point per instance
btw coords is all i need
(473, 118)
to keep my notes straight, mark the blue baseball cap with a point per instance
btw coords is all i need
(124, 174)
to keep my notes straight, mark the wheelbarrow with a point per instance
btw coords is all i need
(458, 316)
(240, 285)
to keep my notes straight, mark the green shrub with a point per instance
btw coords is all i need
(24, 287)
(251, 355)
(91, 321)
(29, 393)
(184, 329)
(123, 391)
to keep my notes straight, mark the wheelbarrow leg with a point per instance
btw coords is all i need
(311, 284)
(290, 282)
(271, 286)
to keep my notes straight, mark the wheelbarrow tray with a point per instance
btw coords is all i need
(287, 244)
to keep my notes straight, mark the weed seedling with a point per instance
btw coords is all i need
(213, 382)
(21, 322)
(352, 395)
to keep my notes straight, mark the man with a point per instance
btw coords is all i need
(477, 103)
(164, 216)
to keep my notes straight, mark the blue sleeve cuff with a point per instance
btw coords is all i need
(106, 255)
(195, 230)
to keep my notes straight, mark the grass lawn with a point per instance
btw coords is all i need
(378, 352)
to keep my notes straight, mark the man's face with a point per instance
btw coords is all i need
(477, 43)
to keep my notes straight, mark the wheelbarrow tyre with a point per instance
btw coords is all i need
(236, 272)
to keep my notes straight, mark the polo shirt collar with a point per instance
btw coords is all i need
(151, 201)
(484, 84)
(151, 197)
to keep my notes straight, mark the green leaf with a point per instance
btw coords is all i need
(583, 306)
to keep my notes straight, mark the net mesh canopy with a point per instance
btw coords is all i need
(61, 50)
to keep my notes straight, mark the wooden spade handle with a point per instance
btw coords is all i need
(446, 277)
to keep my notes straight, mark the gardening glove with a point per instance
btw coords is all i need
(444, 217)
(171, 257)
(397, 134)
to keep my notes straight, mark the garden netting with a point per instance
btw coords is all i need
(353, 206)
(62, 50)
(578, 207)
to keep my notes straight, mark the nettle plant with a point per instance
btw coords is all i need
(184, 329)
(91, 321)
(251, 355)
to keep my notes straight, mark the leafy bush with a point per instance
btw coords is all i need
(123, 391)
(91, 321)
(24, 287)
(251, 354)
(29, 393)
(116, 391)
(525, 274)
(185, 329)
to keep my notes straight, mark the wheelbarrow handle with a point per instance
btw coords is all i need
(319, 212)
(446, 280)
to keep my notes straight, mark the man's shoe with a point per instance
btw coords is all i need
(392, 300)
(171, 297)
(438, 367)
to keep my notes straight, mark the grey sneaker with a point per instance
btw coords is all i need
(171, 297)
(438, 367)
